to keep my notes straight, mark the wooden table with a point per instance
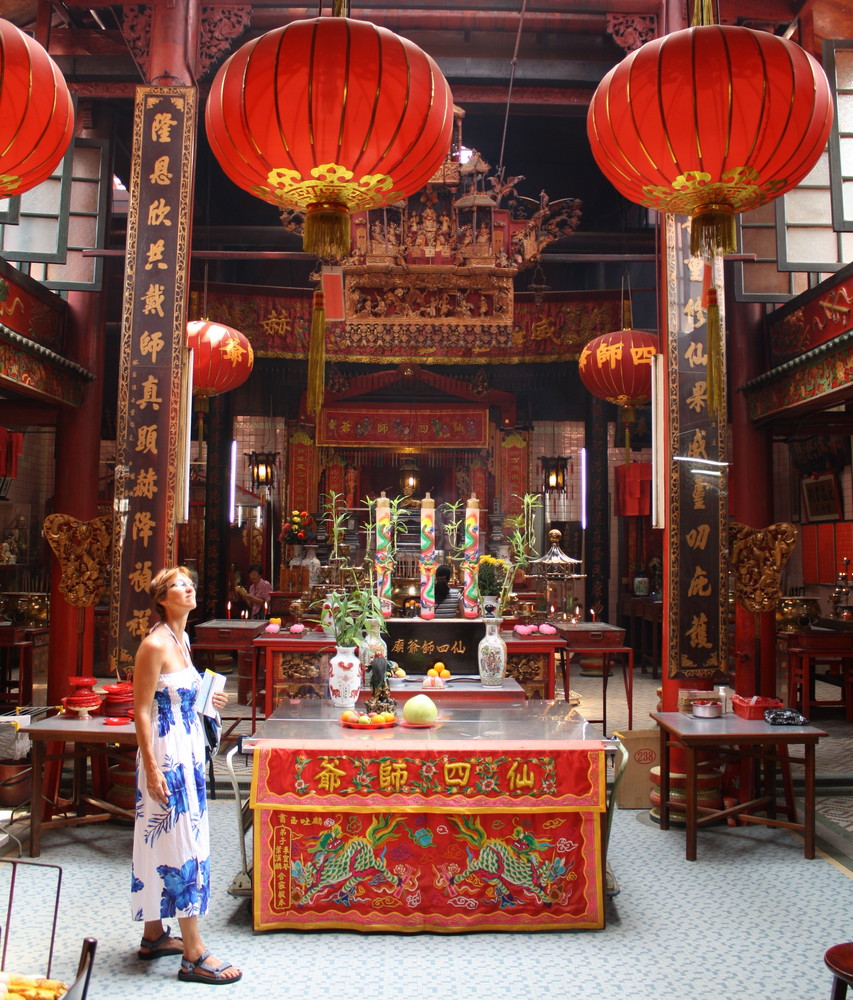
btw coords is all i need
(626, 655)
(89, 739)
(804, 650)
(232, 635)
(732, 738)
(297, 666)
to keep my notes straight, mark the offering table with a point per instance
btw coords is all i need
(297, 666)
(493, 819)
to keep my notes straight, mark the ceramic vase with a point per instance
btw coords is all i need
(313, 564)
(297, 557)
(489, 606)
(373, 644)
(491, 655)
(344, 677)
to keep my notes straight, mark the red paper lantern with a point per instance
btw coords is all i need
(618, 366)
(36, 114)
(709, 122)
(329, 116)
(222, 359)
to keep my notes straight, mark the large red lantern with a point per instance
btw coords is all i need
(36, 114)
(222, 359)
(329, 116)
(709, 122)
(617, 366)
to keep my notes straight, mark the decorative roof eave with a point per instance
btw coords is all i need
(815, 379)
(35, 370)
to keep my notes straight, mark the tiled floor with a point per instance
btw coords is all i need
(697, 930)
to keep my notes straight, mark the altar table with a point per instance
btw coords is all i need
(493, 820)
(731, 738)
(298, 666)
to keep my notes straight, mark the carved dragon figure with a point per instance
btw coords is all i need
(337, 863)
(513, 864)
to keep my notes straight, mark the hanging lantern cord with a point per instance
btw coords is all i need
(513, 66)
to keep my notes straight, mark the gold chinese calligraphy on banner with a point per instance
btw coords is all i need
(153, 357)
(698, 507)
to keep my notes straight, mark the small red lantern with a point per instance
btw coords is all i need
(709, 122)
(222, 360)
(328, 116)
(618, 366)
(36, 114)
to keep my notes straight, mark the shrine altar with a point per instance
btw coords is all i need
(495, 819)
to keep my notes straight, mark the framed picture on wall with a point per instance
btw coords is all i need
(821, 498)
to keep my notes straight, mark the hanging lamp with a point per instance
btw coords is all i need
(328, 116)
(36, 113)
(709, 122)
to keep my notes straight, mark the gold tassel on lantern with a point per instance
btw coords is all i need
(713, 232)
(317, 355)
(715, 355)
(326, 233)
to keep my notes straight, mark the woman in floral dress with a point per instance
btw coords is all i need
(171, 844)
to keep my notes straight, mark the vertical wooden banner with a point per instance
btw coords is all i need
(697, 520)
(302, 472)
(152, 357)
(515, 474)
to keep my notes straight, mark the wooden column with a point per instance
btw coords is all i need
(77, 451)
(695, 568)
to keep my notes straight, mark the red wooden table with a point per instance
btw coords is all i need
(732, 738)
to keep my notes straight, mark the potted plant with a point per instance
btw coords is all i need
(491, 573)
(491, 652)
(348, 613)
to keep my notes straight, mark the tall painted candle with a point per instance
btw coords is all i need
(470, 592)
(384, 558)
(427, 565)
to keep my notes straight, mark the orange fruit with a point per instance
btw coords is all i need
(439, 666)
(349, 716)
(444, 673)
(432, 672)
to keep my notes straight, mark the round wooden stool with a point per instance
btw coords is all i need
(839, 958)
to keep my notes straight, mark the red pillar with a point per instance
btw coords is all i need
(750, 491)
(78, 443)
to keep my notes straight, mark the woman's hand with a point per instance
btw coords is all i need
(157, 788)
(220, 700)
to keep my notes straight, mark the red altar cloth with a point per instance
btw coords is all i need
(441, 838)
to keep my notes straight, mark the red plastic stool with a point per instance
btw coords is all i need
(839, 958)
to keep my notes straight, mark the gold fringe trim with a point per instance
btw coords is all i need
(703, 14)
(713, 234)
(327, 230)
(715, 355)
(317, 356)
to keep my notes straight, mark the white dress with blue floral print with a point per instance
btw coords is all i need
(171, 843)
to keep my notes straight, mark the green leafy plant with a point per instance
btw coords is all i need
(349, 612)
(453, 516)
(521, 534)
(336, 514)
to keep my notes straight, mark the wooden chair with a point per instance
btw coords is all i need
(839, 958)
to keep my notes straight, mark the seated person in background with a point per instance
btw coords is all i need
(447, 598)
(258, 594)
